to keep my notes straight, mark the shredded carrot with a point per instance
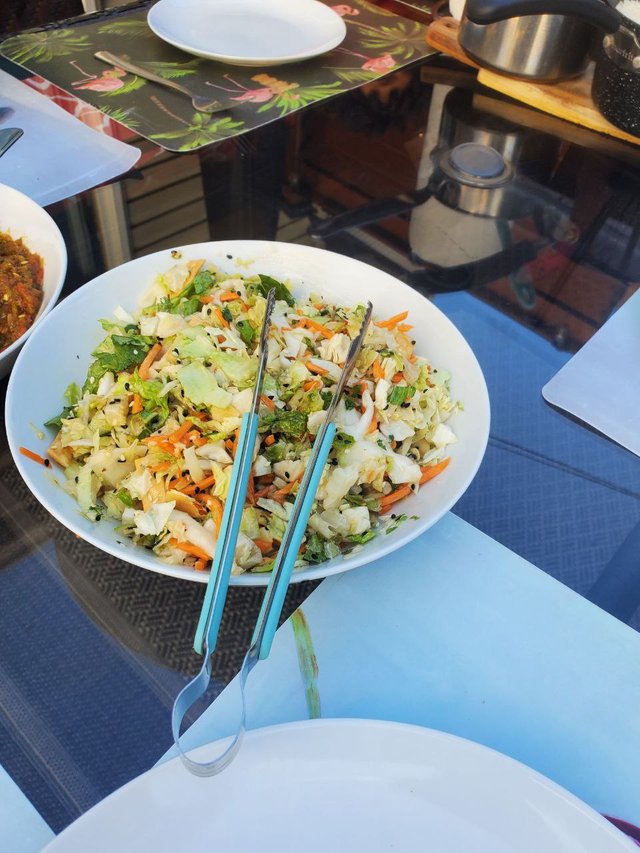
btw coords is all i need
(201, 416)
(179, 483)
(251, 493)
(394, 496)
(262, 493)
(397, 377)
(431, 471)
(378, 372)
(189, 490)
(269, 440)
(150, 357)
(315, 368)
(373, 426)
(236, 439)
(312, 384)
(229, 444)
(207, 482)
(405, 327)
(206, 299)
(392, 322)
(229, 296)
(267, 402)
(200, 565)
(264, 545)
(188, 548)
(179, 433)
(35, 457)
(220, 317)
(280, 494)
(265, 479)
(194, 269)
(192, 437)
(160, 467)
(161, 442)
(316, 327)
(136, 406)
(215, 505)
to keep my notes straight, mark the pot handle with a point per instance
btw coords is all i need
(593, 12)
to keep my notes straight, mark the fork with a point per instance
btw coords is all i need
(203, 105)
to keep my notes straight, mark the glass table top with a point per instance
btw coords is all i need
(528, 250)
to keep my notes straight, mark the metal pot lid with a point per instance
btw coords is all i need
(476, 165)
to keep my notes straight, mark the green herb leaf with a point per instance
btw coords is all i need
(282, 292)
(314, 552)
(342, 440)
(289, 424)
(349, 402)
(275, 453)
(372, 504)
(361, 538)
(57, 420)
(72, 394)
(125, 497)
(247, 332)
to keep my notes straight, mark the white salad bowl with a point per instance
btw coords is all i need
(72, 331)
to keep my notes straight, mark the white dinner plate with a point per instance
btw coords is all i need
(332, 786)
(248, 32)
(59, 352)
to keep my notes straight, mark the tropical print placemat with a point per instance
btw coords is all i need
(377, 42)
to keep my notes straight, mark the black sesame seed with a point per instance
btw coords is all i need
(413, 342)
(230, 256)
(46, 463)
(75, 479)
(393, 515)
(127, 387)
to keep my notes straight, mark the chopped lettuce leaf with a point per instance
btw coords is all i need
(200, 386)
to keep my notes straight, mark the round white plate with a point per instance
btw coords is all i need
(59, 351)
(248, 32)
(360, 786)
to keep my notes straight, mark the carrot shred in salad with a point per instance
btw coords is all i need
(150, 437)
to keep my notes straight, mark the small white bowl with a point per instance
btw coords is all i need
(21, 217)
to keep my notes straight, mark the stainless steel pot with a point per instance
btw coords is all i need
(537, 39)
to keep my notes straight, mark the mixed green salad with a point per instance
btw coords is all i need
(149, 439)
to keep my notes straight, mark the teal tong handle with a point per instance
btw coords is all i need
(214, 599)
(274, 597)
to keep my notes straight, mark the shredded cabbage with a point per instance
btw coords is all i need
(150, 438)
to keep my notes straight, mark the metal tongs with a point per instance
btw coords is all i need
(216, 593)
